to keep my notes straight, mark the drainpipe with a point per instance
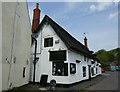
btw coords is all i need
(35, 59)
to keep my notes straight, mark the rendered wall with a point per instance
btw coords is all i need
(78, 76)
(16, 44)
(0, 46)
(44, 66)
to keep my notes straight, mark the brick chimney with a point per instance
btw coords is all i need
(85, 42)
(36, 18)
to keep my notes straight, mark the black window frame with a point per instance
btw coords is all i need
(85, 58)
(96, 70)
(92, 71)
(24, 71)
(53, 55)
(72, 67)
(63, 67)
(84, 71)
(48, 42)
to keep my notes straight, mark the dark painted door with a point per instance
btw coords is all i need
(89, 70)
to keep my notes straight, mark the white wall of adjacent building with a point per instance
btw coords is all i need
(0, 46)
(16, 44)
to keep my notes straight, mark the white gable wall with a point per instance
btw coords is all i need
(44, 66)
(16, 44)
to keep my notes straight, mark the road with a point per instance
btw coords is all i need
(108, 83)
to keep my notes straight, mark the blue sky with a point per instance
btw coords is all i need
(99, 20)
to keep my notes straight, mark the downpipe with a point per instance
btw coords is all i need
(35, 59)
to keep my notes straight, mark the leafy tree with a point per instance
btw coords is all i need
(109, 56)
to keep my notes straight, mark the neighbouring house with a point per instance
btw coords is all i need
(112, 65)
(16, 44)
(59, 56)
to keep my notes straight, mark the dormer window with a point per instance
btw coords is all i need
(48, 42)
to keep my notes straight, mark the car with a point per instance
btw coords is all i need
(103, 70)
(117, 68)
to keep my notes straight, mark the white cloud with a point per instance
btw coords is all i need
(100, 6)
(113, 15)
(93, 8)
(103, 5)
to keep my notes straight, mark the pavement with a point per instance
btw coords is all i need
(81, 85)
(106, 81)
(84, 84)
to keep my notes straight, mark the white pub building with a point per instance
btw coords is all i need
(58, 56)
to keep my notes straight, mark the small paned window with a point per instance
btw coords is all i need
(60, 69)
(92, 70)
(72, 68)
(96, 70)
(92, 62)
(48, 42)
(84, 71)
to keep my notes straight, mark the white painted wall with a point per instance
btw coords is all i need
(78, 76)
(44, 66)
(16, 43)
(0, 46)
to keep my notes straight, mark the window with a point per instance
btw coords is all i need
(92, 62)
(87, 59)
(60, 68)
(57, 55)
(48, 42)
(24, 71)
(84, 71)
(72, 68)
(92, 70)
(84, 58)
(96, 70)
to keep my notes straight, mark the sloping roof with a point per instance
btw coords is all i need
(69, 41)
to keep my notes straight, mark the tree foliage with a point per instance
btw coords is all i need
(109, 56)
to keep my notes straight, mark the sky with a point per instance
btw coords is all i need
(99, 20)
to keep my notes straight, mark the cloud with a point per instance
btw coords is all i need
(93, 8)
(113, 15)
(100, 6)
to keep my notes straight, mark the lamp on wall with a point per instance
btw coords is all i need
(78, 61)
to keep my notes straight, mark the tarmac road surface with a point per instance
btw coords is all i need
(108, 83)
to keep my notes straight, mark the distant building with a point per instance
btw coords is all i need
(59, 56)
(16, 44)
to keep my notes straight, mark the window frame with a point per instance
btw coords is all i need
(24, 72)
(57, 59)
(64, 72)
(72, 65)
(48, 42)
(84, 71)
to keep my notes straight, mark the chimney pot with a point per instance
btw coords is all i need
(37, 5)
(85, 42)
